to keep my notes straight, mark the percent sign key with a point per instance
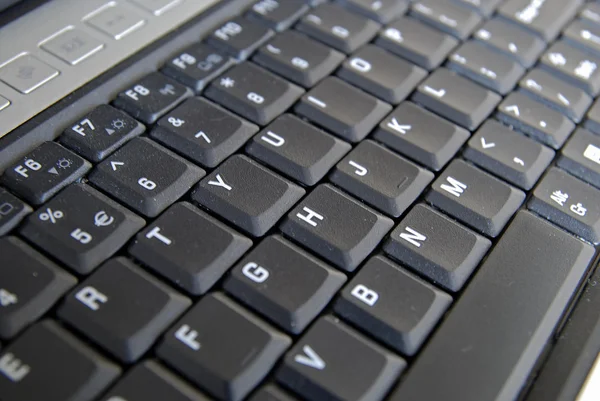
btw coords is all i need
(51, 215)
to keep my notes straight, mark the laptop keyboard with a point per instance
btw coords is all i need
(357, 200)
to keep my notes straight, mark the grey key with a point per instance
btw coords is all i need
(583, 34)
(590, 12)
(483, 7)
(448, 17)
(382, 11)
(456, 98)
(581, 156)
(475, 198)
(26, 73)
(507, 315)
(592, 121)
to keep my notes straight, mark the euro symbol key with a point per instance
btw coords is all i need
(102, 219)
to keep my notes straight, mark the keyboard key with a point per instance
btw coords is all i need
(239, 37)
(247, 194)
(447, 17)
(207, 347)
(203, 132)
(151, 97)
(271, 392)
(337, 27)
(297, 149)
(483, 7)
(81, 227)
(456, 98)
(253, 93)
(508, 154)
(393, 306)
(344, 110)
(381, 178)
(382, 11)
(591, 13)
(12, 211)
(508, 315)
(284, 283)
(190, 248)
(31, 285)
(583, 34)
(335, 226)
(43, 172)
(278, 14)
(101, 132)
(475, 198)
(333, 362)
(581, 157)
(416, 42)
(437, 247)
(145, 176)
(378, 72)
(593, 118)
(48, 363)
(421, 135)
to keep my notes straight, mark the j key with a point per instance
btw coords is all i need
(508, 154)
(418, 43)
(297, 149)
(382, 11)
(437, 247)
(483, 7)
(151, 97)
(581, 156)
(338, 27)
(421, 135)
(31, 284)
(247, 194)
(48, 363)
(450, 18)
(475, 198)
(333, 362)
(590, 12)
(190, 248)
(335, 226)
(557, 94)
(535, 119)
(583, 34)
(145, 176)
(42, 173)
(271, 392)
(101, 132)
(278, 14)
(487, 67)
(456, 98)
(203, 132)
(392, 305)
(378, 176)
(378, 72)
(568, 203)
(344, 110)
(122, 308)
(240, 37)
(298, 58)
(593, 118)
(284, 283)
(81, 227)
(253, 93)
(222, 348)
(12, 211)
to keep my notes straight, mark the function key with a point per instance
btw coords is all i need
(581, 156)
(12, 211)
(382, 11)
(483, 7)
(239, 37)
(278, 14)
(448, 17)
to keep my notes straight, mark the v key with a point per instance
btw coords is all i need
(310, 358)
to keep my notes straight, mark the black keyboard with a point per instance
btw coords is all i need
(350, 200)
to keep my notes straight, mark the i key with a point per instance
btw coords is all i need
(581, 157)
(450, 18)
(239, 37)
(278, 14)
(382, 11)
(13, 210)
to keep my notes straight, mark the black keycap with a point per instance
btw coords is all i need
(12, 211)
(568, 203)
(333, 362)
(145, 176)
(437, 247)
(583, 34)
(284, 283)
(456, 98)
(338, 27)
(508, 154)
(448, 17)
(81, 227)
(593, 118)
(298, 58)
(498, 319)
(418, 43)
(535, 119)
(271, 392)
(247, 194)
(239, 37)
(335, 226)
(196, 66)
(203, 131)
(122, 308)
(382, 11)
(48, 363)
(392, 305)
(222, 348)
(151, 97)
(253, 93)
(483, 7)
(31, 284)
(379, 177)
(42, 173)
(421, 135)
(297, 149)
(278, 14)
(190, 248)
(475, 198)
(378, 72)
(581, 157)
(344, 110)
